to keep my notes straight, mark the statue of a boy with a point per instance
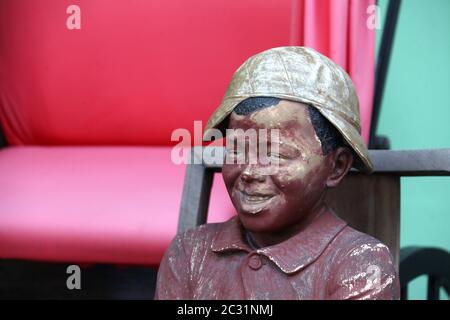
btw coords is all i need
(285, 243)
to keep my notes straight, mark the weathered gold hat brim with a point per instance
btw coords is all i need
(353, 139)
(350, 134)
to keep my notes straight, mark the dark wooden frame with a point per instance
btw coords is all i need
(372, 201)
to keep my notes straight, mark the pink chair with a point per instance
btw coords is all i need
(89, 97)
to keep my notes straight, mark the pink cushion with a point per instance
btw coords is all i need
(93, 204)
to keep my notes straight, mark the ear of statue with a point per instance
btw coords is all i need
(342, 159)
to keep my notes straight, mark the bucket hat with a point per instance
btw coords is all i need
(303, 75)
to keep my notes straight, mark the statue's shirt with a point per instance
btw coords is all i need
(327, 260)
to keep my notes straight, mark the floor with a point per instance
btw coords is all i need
(42, 280)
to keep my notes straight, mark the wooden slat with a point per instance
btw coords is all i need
(371, 204)
(195, 198)
(435, 162)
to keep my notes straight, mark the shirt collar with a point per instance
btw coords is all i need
(291, 255)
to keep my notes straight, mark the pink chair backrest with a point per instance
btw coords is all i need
(137, 69)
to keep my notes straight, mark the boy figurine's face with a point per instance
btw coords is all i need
(277, 203)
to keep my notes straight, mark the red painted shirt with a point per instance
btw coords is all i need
(327, 260)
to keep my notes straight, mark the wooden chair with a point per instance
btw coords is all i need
(369, 203)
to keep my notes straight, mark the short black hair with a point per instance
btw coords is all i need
(329, 136)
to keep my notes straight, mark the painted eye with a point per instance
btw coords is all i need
(232, 152)
(277, 155)
(234, 155)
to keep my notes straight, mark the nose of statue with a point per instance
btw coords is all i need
(252, 173)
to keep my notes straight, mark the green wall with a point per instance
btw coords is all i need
(416, 114)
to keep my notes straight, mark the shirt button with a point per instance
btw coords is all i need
(254, 262)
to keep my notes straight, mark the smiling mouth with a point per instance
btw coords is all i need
(254, 203)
